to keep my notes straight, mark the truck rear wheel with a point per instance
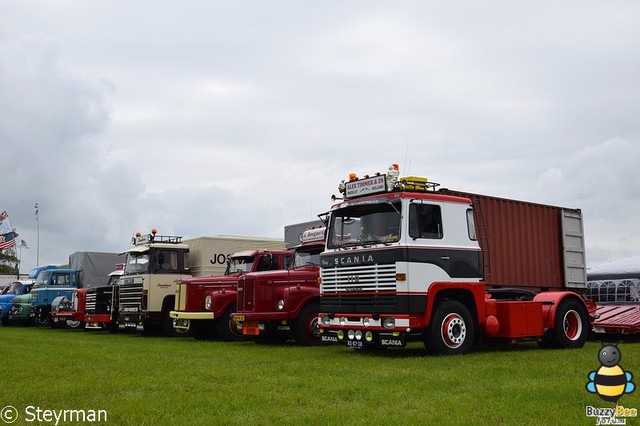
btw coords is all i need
(571, 327)
(306, 328)
(451, 331)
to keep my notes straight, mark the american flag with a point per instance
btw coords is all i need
(7, 241)
(5, 223)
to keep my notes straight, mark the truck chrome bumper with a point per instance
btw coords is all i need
(191, 315)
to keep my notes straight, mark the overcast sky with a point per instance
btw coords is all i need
(239, 117)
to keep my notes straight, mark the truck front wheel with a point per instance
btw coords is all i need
(75, 324)
(43, 319)
(223, 325)
(306, 327)
(451, 331)
(571, 327)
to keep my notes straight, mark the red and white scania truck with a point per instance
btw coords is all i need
(204, 304)
(154, 266)
(406, 261)
(276, 305)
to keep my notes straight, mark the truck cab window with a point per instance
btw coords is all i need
(267, 262)
(365, 224)
(137, 263)
(239, 264)
(425, 221)
(60, 280)
(471, 225)
(165, 260)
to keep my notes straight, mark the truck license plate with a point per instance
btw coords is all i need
(250, 328)
(354, 344)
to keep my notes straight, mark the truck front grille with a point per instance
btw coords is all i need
(367, 278)
(369, 288)
(91, 300)
(130, 297)
(99, 300)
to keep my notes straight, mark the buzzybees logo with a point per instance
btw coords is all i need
(610, 382)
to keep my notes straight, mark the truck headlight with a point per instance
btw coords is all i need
(325, 320)
(280, 304)
(388, 322)
(207, 303)
(342, 321)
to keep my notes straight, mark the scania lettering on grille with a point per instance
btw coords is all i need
(355, 259)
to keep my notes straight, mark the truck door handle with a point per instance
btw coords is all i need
(444, 257)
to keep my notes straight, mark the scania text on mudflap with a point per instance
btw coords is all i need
(406, 261)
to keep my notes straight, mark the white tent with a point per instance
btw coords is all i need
(617, 281)
(617, 269)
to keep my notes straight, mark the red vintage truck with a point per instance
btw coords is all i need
(203, 305)
(277, 305)
(408, 261)
(91, 308)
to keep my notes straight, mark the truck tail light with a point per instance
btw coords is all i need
(401, 277)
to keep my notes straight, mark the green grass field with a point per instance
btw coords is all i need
(142, 380)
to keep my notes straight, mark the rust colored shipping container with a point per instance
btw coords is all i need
(528, 245)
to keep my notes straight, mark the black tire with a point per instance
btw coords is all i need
(5, 320)
(75, 324)
(203, 330)
(43, 320)
(111, 327)
(223, 325)
(571, 327)
(167, 327)
(306, 332)
(451, 331)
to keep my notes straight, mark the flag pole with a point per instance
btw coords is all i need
(37, 216)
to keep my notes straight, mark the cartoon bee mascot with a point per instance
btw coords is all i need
(610, 381)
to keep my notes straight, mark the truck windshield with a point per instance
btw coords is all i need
(15, 288)
(239, 264)
(364, 224)
(307, 256)
(137, 263)
(43, 279)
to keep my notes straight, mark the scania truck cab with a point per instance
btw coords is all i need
(405, 261)
(274, 306)
(146, 293)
